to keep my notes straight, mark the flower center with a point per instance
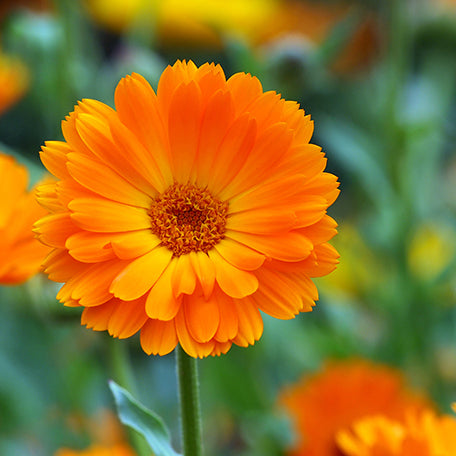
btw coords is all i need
(187, 218)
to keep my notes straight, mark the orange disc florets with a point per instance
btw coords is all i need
(187, 218)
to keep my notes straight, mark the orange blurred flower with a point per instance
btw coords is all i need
(7, 6)
(21, 254)
(344, 391)
(184, 213)
(420, 434)
(14, 81)
(98, 450)
(315, 21)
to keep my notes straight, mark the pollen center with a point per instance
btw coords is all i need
(187, 218)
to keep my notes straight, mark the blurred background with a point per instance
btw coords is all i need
(379, 80)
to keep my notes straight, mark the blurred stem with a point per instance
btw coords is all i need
(396, 70)
(122, 373)
(189, 403)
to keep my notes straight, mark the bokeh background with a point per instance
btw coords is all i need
(379, 80)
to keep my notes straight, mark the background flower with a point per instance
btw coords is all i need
(22, 255)
(321, 404)
(420, 434)
(14, 80)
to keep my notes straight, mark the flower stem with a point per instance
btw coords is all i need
(189, 404)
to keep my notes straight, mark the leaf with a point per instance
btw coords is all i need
(133, 414)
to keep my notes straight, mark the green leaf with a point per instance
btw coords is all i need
(133, 414)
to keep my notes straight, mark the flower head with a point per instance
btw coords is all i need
(183, 213)
(22, 255)
(343, 392)
(420, 434)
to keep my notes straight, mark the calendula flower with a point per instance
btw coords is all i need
(184, 213)
(14, 80)
(420, 434)
(98, 450)
(21, 254)
(345, 391)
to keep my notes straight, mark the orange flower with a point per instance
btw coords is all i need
(334, 398)
(184, 213)
(421, 434)
(14, 80)
(98, 450)
(21, 254)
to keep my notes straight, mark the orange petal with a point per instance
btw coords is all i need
(216, 120)
(262, 221)
(91, 286)
(188, 343)
(228, 327)
(310, 210)
(204, 270)
(327, 260)
(127, 318)
(291, 246)
(184, 277)
(220, 348)
(184, 129)
(161, 304)
(96, 134)
(134, 244)
(273, 193)
(90, 247)
(280, 296)
(55, 229)
(53, 156)
(170, 79)
(202, 317)
(141, 274)
(239, 255)
(321, 231)
(107, 183)
(233, 152)
(105, 216)
(250, 322)
(158, 337)
(137, 108)
(60, 267)
(269, 148)
(97, 318)
(233, 281)
(210, 78)
(245, 89)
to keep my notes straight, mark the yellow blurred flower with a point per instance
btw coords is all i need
(431, 250)
(421, 434)
(21, 254)
(343, 392)
(14, 81)
(358, 272)
(197, 22)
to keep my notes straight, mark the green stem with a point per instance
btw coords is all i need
(190, 413)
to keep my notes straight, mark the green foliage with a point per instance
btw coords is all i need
(133, 414)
